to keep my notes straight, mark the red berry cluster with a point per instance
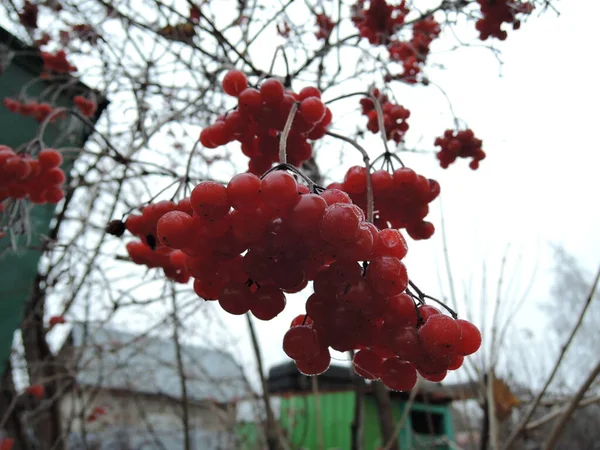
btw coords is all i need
(6, 443)
(498, 12)
(248, 244)
(400, 199)
(96, 413)
(56, 320)
(325, 25)
(402, 347)
(261, 116)
(150, 251)
(39, 111)
(87, 107)
(283, 29)
(379, 21)
(57, 62)
(36, 390)
(23, 176)
(28, 16)
(459, 144)
(413, 53)
(394, 116)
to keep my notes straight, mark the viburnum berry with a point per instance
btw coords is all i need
(387, 275)
(340, 223)
(315, 365)
(300, 343)
(367, 364)
(279, 191)
(174, 229)
(440, 335)
(234, 82)
(235, 298)
(398, 375)
(36, 390)
(268, 302)
(55, 320)
(470, 339)
(271, 91)
(209, 200)
(312, 109)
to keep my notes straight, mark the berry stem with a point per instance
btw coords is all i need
(424, 296)
(380, 122)
(285, 133)
(367, 161)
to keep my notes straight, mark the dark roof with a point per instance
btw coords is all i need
(284, 379)
(114, 359)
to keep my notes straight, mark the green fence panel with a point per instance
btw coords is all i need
(19, 269)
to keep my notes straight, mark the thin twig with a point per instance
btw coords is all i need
(515, 433)
(366, 160)
(285, 133)
(560, 425)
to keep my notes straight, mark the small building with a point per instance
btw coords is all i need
(125, 391)
(429, 423)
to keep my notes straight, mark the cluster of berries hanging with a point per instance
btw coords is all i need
(429, 343)
(394, 116)
(96, 413)
(401, 199)
(459, 144)
(39, 179)
(260, 117)
(57, 62)
(249, 243)
(6, 443)
(39, 111)
(28, 16)
(325, 25)
(379, 21)
(36, 390)
(149, 251)
(413, 53)
(85, 106)
(498, 12)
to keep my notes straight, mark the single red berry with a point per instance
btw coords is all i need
(470, 340)
(367, 364)
(209, 200)
(49, 158)
(312, 109)
(271, 91)
(243, 191)
(36, 390)
(316, 365)
(268, 302)
(387, 275)
(55, 320)
(440, 336)
(300, 343)
(174, 229)
(279, 191)
(234, 82)
(398, 375)
(236, 298)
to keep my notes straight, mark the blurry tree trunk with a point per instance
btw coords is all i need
(386, 415)
(41, 367)
(272, 428)
(357, 426)
(9, 410)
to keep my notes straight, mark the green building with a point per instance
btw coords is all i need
(429, 423)
(20, 70)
